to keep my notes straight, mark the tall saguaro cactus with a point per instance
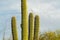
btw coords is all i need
(31, 26)
(24, 20)
(14, 30)
(36, 28)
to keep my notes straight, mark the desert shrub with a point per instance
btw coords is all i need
(50, 36)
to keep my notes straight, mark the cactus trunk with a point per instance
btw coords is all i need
(36, 28)
(24, 20)
(31, 26)
(14, 30)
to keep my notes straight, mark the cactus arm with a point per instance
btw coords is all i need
(31, 26)
(36, 28)
(14, 30)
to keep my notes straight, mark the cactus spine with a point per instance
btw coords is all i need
(24, 20)
(36, 28)
(14, 30)
(31, 26)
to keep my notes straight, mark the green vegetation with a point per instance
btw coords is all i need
(31, 26)
(50, 36)
(24, 21)
(14, 29)
(36, 28)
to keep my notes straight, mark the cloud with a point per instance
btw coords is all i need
(49, 12)
(10, 5)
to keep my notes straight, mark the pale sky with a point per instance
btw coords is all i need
(48, 11)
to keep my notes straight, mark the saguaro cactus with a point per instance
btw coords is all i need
(14, 30)
(31, 26)
(24, 20)
(36, 28)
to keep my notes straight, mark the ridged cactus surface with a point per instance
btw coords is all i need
(31, 26)
(14, 29)
(36, 28)
(24, 20)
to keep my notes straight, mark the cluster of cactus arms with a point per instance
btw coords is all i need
(33, 27)
(30, 31)
(14, 29)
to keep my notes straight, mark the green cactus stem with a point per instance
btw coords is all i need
(36, 28)
(31, 26)
(14, 29)
(24, 20)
